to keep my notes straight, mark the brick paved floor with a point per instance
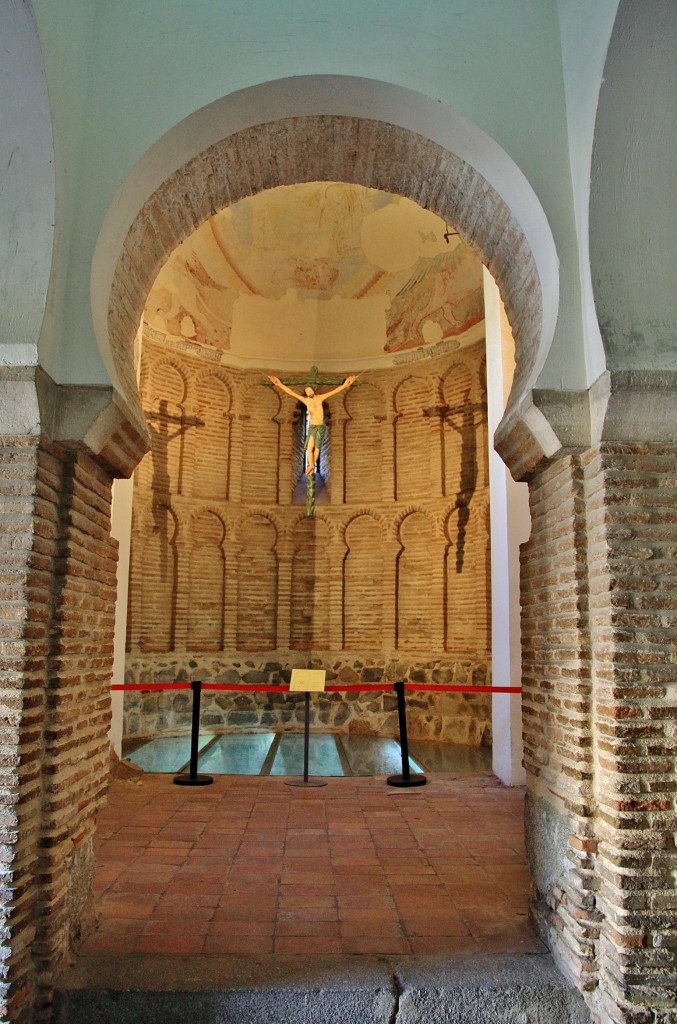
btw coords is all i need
(252, 866)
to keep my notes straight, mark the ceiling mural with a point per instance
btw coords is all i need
(322, 272)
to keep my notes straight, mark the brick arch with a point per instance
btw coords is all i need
(259, 512)
(303, 518)
(363, 443)
(261, 444)
(214, 373)
(211, 438)
(257, 582)
(414, 582)
(363, 572)
(159, 557)
(206, 572)
(209, 510)
(156, 367)
(311, 591)
(494, 209)
(412, 436)
(363, 510)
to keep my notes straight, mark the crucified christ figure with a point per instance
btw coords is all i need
(314, 404)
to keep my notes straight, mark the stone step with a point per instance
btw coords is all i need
(482, 989)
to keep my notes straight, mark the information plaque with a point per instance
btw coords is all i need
(307, 680)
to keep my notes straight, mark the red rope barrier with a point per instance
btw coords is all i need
(151, 686)
(358, 687)
(461, 689)
(261, 687)
(353, 687)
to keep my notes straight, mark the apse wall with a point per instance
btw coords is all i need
(231, 582)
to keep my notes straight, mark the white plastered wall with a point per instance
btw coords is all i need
(121, 530)
(510, 527)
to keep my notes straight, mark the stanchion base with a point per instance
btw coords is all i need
(404, 781)
(196, 780)
(304, 783)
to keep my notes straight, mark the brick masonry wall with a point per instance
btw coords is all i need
(394, 562)
(557, 688)
(599, 631)
(633, 503)
(58, 579)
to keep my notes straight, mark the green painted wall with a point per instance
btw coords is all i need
(66, 32)
(634, 269)
(136, 69)
(585, 30)
(27, 192)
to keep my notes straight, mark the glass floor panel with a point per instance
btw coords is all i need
(323, 756)
(237, 754)
(165, 753)
(329, 755)
(448, 757)
(374, 755)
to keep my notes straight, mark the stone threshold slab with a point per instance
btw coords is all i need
(476, 989)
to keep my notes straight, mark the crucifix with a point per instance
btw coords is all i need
(314, 403)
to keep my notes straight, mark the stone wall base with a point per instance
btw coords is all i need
(463, 718)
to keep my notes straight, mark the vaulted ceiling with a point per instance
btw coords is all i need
(325, 273)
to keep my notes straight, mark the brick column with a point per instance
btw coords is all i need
(337, 488)
(632, 514)
(337, 552)
(285, 485)
(141, 509)
(437, 597)
(391, 551)
(285, 555)
(24, 647)
(235, 475)
(556, 679)
(599, 630)
(58, 616)
(182, 540)
(232, 551)
(191, 438)
(388, 468)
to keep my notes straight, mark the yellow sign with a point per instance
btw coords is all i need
(307, 680)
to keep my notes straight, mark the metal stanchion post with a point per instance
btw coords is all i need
(305, 781)
(192, 778)
(406, 778)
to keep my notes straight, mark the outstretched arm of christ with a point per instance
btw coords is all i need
(303, 398)
(283, 387)
(346, 384)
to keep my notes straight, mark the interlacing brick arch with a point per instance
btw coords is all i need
(260, 445)
(291, 529)
(363, 573)
(363, 443)
(257, 583)
(311, 576)
(205, 568)
(211, 439)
